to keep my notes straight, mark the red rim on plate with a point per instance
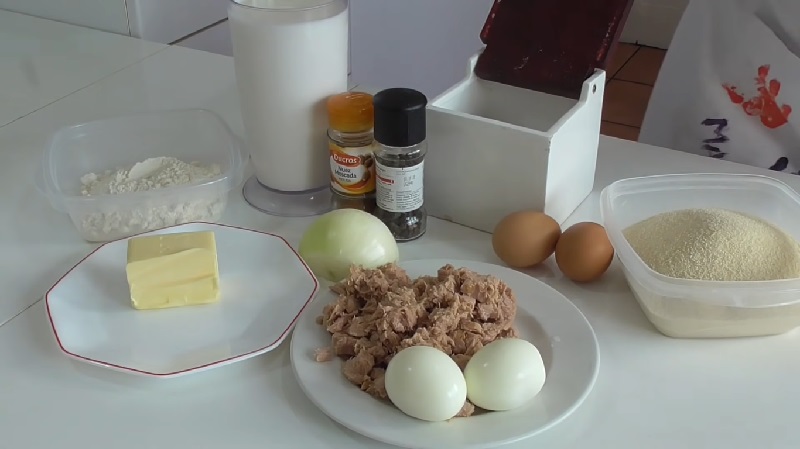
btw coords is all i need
(205, 366)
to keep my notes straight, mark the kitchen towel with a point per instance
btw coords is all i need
(730, 84)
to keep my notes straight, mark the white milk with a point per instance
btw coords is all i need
(287, 63)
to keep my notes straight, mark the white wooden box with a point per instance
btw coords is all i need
(495, 149)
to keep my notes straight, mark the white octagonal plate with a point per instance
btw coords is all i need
(264, 287)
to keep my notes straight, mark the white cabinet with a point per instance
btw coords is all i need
(421, 44)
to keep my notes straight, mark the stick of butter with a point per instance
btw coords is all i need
(173, 270)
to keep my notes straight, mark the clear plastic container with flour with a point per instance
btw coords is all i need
(705, 309)
(290, 55)
(100, 148)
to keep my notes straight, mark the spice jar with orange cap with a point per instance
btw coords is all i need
(351, 143)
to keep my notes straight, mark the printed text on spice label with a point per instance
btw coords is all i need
(399, 189)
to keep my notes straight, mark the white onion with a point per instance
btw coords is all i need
(346, 237)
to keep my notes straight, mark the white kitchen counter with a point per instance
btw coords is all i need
(30, 228)
(42, 61)
(652, 392)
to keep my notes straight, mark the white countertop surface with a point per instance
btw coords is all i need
(652, 392)
(42, 61)
(174, 78)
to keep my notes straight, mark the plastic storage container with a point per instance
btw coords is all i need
(192, 135)
(692, 308)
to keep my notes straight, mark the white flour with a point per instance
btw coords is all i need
(120, 219)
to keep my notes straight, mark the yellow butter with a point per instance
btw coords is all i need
(173, 270)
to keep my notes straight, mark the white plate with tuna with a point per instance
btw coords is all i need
(544, 317)
(264, 286)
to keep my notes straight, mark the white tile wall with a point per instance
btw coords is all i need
(421, 44)
(163, 21)
(106, 15)
(653, 22)
(413, 43)
(216, 39)
(42, 61)
(166, 21)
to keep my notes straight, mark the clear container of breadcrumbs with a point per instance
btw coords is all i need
(684, 308)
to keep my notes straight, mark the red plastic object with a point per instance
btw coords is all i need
(550, 46)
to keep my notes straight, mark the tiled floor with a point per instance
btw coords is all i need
(632, 73)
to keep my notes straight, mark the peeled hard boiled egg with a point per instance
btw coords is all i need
(504, 374)
(425, 383)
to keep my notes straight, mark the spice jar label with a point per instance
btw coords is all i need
(399, 189)
(352, 169)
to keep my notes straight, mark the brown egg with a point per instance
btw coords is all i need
(583, 252)
(526, 238)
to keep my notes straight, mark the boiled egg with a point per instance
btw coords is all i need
(425, 383)
(504, 374)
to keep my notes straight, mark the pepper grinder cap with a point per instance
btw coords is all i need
(400, 117)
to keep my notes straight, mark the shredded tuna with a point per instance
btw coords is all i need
(467, 410)
(324, 355)
(382, 311)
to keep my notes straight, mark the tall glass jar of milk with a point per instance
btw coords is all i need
(290, 55)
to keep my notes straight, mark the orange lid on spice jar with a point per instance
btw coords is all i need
(350, 112)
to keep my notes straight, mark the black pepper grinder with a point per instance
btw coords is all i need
(400, 149)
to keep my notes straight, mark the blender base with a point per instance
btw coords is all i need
(307, 203)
